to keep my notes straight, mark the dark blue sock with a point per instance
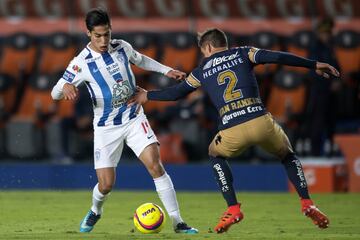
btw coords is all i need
(224, 179)
(296, 175)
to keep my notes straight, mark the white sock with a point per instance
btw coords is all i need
(167, 195)
(98, 200)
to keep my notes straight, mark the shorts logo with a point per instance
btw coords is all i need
(97, 154)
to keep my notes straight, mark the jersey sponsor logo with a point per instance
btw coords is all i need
(113, 69)
(208, 64)
(219, 60)
(68, 76)
(121, 93)
(228, 117)
(222, 67)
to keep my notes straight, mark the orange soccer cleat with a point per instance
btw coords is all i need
(310, 210)
(232, 215)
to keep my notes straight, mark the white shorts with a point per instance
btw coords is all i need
(109, 141)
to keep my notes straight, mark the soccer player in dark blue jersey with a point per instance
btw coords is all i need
(227, 76)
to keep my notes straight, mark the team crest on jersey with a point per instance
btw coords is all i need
(121, 93)
(76, 68)
(120, 57)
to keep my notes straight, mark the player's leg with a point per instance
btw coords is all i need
(106, 181)
(107, 152)
(227, 143)
(275, 141)
(145, 145)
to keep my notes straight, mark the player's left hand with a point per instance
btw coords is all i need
(326, 70)
(176, 74)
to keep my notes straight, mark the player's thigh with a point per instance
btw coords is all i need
(140, 134)
(108, 146)
(230, 142)
(142, 140)
(275, 140)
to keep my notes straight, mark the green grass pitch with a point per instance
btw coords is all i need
(57, 214)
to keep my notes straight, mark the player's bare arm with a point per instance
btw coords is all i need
(70, 92)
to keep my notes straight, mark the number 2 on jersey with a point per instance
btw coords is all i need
(230, 93)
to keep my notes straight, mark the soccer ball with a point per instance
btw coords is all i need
(149, 218)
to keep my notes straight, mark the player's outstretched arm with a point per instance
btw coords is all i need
(150, 64)
(266, 56)
(172, 93)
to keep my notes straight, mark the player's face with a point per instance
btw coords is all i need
(99, 38)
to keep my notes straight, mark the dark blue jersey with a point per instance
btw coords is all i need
(229, 80)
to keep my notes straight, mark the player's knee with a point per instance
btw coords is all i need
(105, 188)
(156, 169)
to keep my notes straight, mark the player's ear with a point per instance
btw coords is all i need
(88, 33)
(209, 48)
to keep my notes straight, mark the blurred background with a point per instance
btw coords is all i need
(38, 39)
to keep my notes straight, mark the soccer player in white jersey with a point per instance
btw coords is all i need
(104, 66)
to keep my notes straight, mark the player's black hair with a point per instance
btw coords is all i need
(214, 36)
(96, 17)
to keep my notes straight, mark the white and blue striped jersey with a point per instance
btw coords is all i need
(109, 79)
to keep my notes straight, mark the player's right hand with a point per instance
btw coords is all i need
(326, 70)
(70, 92)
